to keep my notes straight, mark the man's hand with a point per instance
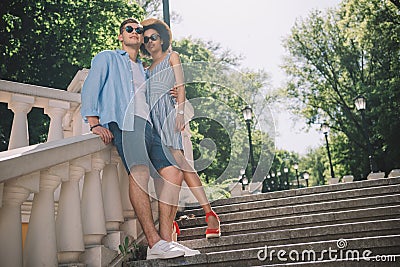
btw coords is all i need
(180, 122)
(104, 133)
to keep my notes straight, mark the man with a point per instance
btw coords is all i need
(114, 105)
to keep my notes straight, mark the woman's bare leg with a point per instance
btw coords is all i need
(193, 181)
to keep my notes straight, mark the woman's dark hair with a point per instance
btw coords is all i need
(164, 35)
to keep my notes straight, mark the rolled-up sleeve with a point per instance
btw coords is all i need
(93, 85)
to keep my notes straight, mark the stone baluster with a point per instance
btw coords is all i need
(40, 246)
(93, 218)
(111, 194)
(124, 189)
(77, 124)
(131, 226)
(69, 231)
(10, 222)
(20, 105)
(56, 110)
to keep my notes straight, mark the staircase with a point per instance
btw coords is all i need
(318, 226)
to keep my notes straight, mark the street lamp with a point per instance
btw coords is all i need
(166, 12)
(278, 175)
(247, 114)
(361, 104)
(306, 175)
(286, 171)
(325, 129)
(296, 167)
(243, 179)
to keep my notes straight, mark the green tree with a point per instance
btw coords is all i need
(46, 42)
(336, 56)
(226, 91)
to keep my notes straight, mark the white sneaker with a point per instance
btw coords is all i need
(164, 250)
(188, 251)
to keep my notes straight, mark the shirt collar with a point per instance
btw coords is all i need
(124, 53)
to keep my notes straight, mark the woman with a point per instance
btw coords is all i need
(165, 73)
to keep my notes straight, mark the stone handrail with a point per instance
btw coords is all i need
(80, 208)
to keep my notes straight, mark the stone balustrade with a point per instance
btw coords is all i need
(78, 186)
(70, 193)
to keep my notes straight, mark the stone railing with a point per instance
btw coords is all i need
(72, 191)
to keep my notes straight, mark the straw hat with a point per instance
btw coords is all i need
(161, 25)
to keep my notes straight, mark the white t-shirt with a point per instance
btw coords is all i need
(141, 106)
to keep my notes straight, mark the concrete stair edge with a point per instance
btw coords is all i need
(315, 232)
(250, 257)
(305, 191)
(292, 198)
(249, 214)
(310, 219)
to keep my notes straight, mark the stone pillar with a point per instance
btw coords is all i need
(10, 224)
(131, 226)
(20, 105)
(124, 190)
(93, 218)
(69, 231)
(111, 194)
(77, 124)
(40, 246)
(56, 110)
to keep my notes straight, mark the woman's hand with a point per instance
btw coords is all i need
(174, 91)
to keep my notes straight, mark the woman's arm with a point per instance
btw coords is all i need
(180, 87)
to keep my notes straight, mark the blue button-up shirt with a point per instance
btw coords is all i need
(108, 90)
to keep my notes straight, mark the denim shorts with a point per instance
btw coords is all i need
(141, 147)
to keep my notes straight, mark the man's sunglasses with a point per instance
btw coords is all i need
(153, 37)
(130, 29)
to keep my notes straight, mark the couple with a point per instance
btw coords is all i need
(122, 108)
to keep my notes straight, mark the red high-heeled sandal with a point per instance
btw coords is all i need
(212, 233)
(175, 228)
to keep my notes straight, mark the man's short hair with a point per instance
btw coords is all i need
(130, 20)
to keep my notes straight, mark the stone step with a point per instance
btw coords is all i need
(299, 210)
(256, 256)
(303, 191)
(297, 235)
(295, 199)
(323, 218)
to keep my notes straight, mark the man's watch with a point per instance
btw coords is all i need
(180, 112)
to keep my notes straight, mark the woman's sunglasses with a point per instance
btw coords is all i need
(153, 37)
(130, 29)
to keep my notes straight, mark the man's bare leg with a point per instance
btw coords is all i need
(138, 194)
(168, 192)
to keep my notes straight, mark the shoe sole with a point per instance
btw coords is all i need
(213, 235)
(163, 258)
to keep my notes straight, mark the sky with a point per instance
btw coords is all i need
(253, 29)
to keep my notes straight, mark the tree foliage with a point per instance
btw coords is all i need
(45, 42)
(337, 56)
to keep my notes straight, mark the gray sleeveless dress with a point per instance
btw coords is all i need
(162, 105)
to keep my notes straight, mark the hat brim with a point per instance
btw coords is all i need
(151, 21)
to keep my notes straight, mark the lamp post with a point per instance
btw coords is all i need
(306, 175)
(278, 175)
(247, 114)
(296, 167)
(325, 130)
(272, 181)
(243, 179)
(286, 171)
(166, 12)
(361, 104)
